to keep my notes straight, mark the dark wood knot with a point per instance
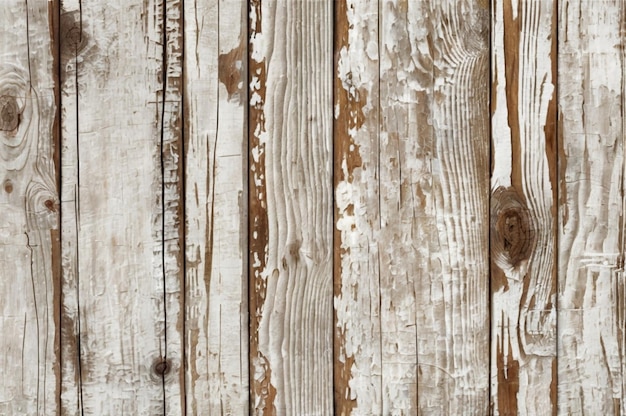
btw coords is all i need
(8, 186)
(161, 366)
(72, 34)
(512, 233)
(9, 113)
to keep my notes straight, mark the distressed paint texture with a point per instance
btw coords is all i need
(312, 207)
(592, 359)
(216, 328)
(358, 361)
(412, 188)
(523, 208)
(122, 254)
(29, 209)
(291, 207)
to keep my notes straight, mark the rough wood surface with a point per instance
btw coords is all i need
(29, 209)
(411, 171)
(523, 208)
(358, 369)
(291, 207)
(122, 256)
(454, 339)
(216, 327)
(592, 359)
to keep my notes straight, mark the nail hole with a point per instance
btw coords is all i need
(8, 186)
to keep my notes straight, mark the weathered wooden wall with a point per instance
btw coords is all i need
(312, 207)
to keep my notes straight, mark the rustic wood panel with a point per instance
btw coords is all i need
(523, 208)
(358, 367)
(291, 206)
(454, 342)
(592, 360)
(312, 207)
(122, 256)
(412, 189)
(216, 327)
(29, 205)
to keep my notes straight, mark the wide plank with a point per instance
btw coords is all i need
(592, 359)
(453, 302)
(291, 207)
(523, 208)
(216, 138)
(122, 254)
(29, 206)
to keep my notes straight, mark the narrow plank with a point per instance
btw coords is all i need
(122, 121)
(592, 359)
(358, 367)
(452, 210)
(216, 328)
(523, 208)
(291, 207)
(29, 230)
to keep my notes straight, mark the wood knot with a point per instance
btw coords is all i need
(49, 204)
(73, 34)
(512, 234)
(9, 113)
(161, 366)
(8, 186)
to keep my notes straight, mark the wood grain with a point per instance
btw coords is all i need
(216, 326)
(291, 207)
(523, 208)
(411, 171)
(29, 205)
(454, 342)
(592, 360)
(122, 254)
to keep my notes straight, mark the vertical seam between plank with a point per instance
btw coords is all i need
(162, 162)
(488, 213)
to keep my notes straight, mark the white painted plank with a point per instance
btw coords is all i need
(123, 153)
(291, 207)
(523, 208)
(216, 137)
(453, 345)
(29, 226)
(592, 359)
(358, 366)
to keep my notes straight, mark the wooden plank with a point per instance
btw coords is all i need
(453, 305)
(122, 260)
(411, 169)
(523, 208)
(358, 367)
(216, 136)
(291, 206)
(28, 199)
(29, 230)
(592, 359)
